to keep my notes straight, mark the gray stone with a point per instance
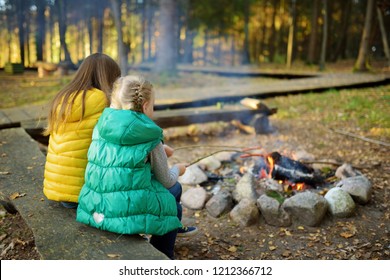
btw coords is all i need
(307, 208)
(224, 156)
(193, 176)
(346, 170)
(246, 188)
(272, 211)
(211, 163)
(340, 203)
(269, 184)
(194, 198)
(359, 187)
(245, 213)
(220, 203)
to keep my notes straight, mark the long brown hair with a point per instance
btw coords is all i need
(97, 71)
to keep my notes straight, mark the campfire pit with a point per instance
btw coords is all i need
(283, 190)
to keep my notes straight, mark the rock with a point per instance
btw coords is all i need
(359, 187)
(340, 203)
(245, 213)
(269, 184)
(193, 176)
(302, 155)
(246, 188)
(345, 171)
(220, 203)
(224, 156)
(307, 208)
(194, 198)
(272, 211)
(211, 163)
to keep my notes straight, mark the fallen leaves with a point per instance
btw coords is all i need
(349, 230)
(113, 256)
(233, 249)
(16, 195)
(347, 234)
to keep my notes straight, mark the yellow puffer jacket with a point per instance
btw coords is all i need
(67, 152)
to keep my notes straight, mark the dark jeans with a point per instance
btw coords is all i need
(69, 205)
(166, 243)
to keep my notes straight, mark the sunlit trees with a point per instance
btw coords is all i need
(362, 63)
(198, 32)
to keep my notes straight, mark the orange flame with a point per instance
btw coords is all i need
(271, 166)
(300, 186)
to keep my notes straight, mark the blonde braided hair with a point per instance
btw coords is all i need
(131, 93)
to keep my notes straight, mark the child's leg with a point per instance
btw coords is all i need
(176, 191)
(165, 243)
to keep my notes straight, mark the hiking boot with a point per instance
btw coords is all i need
(187, 231)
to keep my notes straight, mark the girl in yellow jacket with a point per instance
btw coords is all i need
(73, 114)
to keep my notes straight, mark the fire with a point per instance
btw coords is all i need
(271, 166)
(300, 186)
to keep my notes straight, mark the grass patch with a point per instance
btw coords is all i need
(367, 108)
(28, 89)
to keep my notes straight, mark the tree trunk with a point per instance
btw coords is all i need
(149, 16)
(324, 35)
(313, 34)
(246, 58)
(21, 11)
(99, 11)
(90, 34)
(40, 33)
(362, 62)
(27, 34)
(273, 32)
(61, 5)
(384, 35)
(290, 45)
(166, 57)
(189, 47)
(341, 45)
(143, 30)
(122, 51)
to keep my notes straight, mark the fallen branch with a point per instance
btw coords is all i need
(213, 153)
(217, 146)
(244, 151)
(361, 137)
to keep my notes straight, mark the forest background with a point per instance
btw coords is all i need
(201, 32)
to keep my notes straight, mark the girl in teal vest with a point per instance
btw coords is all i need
(129, 188)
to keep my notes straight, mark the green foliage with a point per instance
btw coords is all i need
(275, 195)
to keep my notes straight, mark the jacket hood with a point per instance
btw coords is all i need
(126, 127)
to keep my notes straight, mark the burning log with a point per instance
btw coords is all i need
(284, 168)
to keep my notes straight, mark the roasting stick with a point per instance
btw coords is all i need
(217, 146)
(242, 150)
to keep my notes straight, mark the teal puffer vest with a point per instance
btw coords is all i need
(120, 193)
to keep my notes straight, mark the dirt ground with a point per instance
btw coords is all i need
(364, 236)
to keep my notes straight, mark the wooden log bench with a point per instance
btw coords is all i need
(57, 234)
(252, 119)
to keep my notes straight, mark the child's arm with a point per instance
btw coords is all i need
(159, 164)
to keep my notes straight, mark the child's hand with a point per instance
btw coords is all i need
(168, 150)
(182, 168)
